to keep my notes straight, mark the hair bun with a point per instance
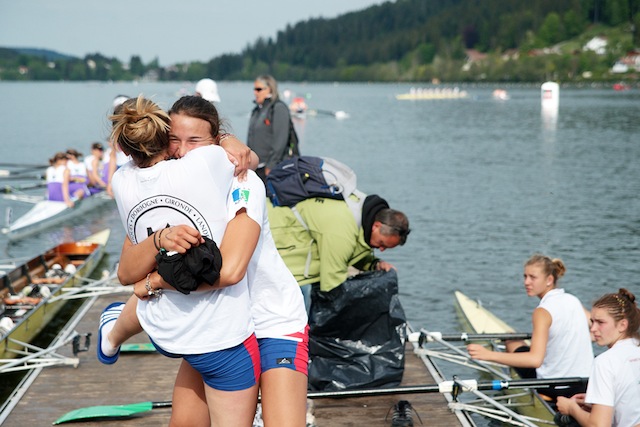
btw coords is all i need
(627, 294)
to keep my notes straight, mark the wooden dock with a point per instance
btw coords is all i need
(149, 377)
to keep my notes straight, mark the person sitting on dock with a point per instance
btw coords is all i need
(560, 341)
(614, 385)
(320, 252)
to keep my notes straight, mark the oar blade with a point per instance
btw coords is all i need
(138, 348)
(107, 411)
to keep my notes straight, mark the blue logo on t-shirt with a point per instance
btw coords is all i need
(240, 195)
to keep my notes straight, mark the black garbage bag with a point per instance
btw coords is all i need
(357, 334)
(186, 271)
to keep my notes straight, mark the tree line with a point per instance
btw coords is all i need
(405, 40)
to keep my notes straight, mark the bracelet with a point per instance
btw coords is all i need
(159, 247)
(150, 291)
(225, 136)
(154, 241)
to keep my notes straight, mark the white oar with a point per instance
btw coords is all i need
(25, 198)
(483, 365)
(18, 188)
(22, 165)
(498, 405)
(105, 286)
(33, 357)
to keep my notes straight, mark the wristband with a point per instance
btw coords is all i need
(154, 241)
(159, 246)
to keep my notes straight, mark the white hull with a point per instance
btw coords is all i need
(48, 213)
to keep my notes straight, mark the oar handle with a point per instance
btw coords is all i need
(163, 404)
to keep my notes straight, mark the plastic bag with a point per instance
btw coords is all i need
(357, 334)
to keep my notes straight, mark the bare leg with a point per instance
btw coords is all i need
(127, 324)
(189, 401)
(284, 398)
(232, 408)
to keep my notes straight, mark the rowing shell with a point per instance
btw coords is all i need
(48, 213)
(477, 319)
(23, 317)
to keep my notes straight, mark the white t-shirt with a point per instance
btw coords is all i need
(77, 170)
(615, 382)
(121, 158)
(192, 191)
(55, 173)
(277, 303)
(88, 162)
(569, 350)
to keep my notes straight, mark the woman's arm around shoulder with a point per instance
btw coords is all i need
(239, 154)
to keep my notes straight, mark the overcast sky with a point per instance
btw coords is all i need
(172, 31)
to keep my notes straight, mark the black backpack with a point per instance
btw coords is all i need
(304, 177)
(293, 147)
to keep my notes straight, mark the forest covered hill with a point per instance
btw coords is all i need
(404, 40)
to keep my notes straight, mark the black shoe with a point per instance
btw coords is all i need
(402, 414)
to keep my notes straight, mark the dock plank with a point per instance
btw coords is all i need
(134, 378)
(376, 410)
(140, 377)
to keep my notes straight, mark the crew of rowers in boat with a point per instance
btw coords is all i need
(70, 177)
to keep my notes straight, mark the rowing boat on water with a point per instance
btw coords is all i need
(47, 213)
(432, 94)
(477, 319)
(26, 290)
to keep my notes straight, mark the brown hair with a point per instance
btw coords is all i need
(141, 130)
(73, 152)
(58, 156)
(622, 305)
(554, 267)
(199, 108)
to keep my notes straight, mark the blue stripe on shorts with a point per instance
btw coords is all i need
(232, 369)
(290, 352)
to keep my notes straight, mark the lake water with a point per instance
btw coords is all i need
(485, 183)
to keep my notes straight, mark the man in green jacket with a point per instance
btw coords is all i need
(321, 238)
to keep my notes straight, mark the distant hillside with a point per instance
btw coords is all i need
(401, 40)
(48, 55)
(406, 34)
